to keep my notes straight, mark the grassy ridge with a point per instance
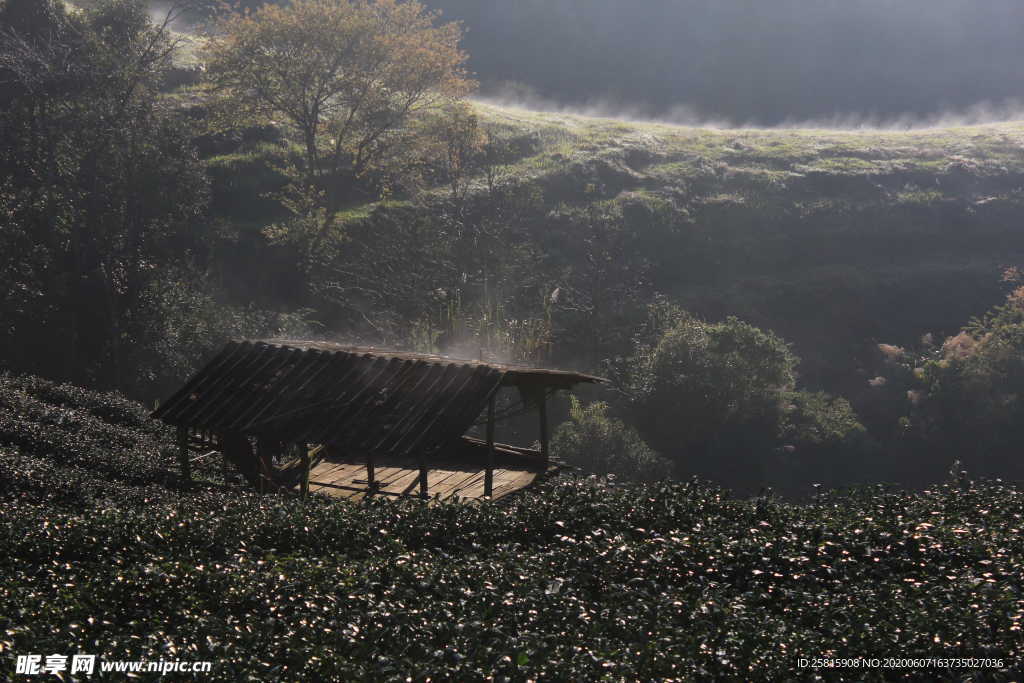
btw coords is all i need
(583, 579)
(672, 153)
(835, 239)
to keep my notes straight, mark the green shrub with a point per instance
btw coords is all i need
(970, 397)
(185, 322)
(818, 419)
(822, 442)
(708, 395)
(599, 444)
(960, 399)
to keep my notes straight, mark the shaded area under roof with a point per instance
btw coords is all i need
(363, 399)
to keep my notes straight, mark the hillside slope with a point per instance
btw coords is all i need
(837, 240)
(833, 238)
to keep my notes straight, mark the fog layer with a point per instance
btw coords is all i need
(894, 63)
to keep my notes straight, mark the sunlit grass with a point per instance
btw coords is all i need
(676, 152)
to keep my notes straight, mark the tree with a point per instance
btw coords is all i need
(964, 399)
(709, 395)
(347, 76)
(598, 443)
(823, 442)
(456, 145)
(101, 181)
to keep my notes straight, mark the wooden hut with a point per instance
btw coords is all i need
(354, 421)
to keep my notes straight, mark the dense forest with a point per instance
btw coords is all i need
(780, 314)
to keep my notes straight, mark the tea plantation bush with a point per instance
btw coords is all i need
(104, 552)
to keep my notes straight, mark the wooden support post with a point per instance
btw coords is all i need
(543, 408)
(261, 470)
(218, 444)
(489, 473)
(423, 479)
(371, 475)
(305, 470)
(186, 467)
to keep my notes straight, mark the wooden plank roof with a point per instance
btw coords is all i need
(369, 400)
(514, 374)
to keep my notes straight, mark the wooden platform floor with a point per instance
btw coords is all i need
(347, 478)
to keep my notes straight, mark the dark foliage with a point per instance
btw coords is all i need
(596, 443)
(100, 185)
(958, 400)
(528, 238)
(581, 580)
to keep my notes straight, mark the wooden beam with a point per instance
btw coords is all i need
(543, 408)
(371, 474)
(489, 475)
(183, 462)
(262, 457)
(357, 489)
(423, 479)
(223, 460)
(305, 470)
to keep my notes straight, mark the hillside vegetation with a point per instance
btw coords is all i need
(776, 220)
(884, 235)
(780, 314)
(103, 551)
(838, 240)
(796, 306)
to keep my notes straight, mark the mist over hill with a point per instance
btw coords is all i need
(750, 62)
(740, 62)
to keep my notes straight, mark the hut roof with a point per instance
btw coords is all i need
(366, 399)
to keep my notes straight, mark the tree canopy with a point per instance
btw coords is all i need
(98, 181)
(347, 75)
